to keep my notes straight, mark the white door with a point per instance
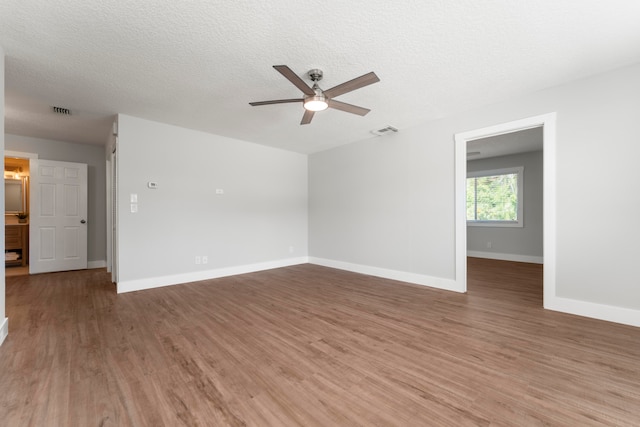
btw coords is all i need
(58, 217)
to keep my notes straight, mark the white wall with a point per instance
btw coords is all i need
(385, 203)
(512, 243)
(94, 157)
(259, 222)
(389, 202)
(4, 322)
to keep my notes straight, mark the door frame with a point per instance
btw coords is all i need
(112, 212)
(548, 123)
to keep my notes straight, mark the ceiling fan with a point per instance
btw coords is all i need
(316, 99)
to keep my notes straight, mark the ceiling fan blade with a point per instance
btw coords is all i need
(343, 106)
(354, 84)
(276, 101)
(293, 78)
(306, 118)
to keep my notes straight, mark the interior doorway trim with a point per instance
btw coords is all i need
(548, 123)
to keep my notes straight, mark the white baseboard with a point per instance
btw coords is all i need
(176, 279)
(625, 316)
(4, 330)
(97, 264)
(581, 308)
(609, 313)
(507, 257)
(403, 276)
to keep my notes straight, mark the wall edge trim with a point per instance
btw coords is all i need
(609, 313)
(4, 330)
(96, 264)
(506, 257)
(177, 279)
(402, 276)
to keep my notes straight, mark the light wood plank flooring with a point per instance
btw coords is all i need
(16, 271)
(311, 346)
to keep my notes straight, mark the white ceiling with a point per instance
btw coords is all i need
(522, 141)
(198, 64)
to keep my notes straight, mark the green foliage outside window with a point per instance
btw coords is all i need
(493, 198)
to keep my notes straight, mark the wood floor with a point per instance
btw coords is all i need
(311, 346)
(16, 271)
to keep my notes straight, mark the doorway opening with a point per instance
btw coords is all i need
(17, 172)
(547, 124)
(505, 216)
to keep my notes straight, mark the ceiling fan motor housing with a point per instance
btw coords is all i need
(315, 75)
(317, 102)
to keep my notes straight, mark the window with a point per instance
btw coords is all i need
(495, 198)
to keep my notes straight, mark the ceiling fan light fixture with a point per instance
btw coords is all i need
(315, 99)
(316, 103)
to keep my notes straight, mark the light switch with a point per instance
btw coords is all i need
(134, 207)
(134, 198)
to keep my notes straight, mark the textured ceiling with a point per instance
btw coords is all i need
(198, 64)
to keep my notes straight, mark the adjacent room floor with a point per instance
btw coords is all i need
(311, 346)
(17, 271)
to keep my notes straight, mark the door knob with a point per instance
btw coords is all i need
(83, 221)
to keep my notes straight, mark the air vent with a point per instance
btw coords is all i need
(385, 131)
(62, 111)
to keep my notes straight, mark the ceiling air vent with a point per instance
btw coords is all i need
(62, 111)
(384, 131)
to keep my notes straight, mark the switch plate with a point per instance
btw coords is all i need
(219, 191)
(133, 198)
(198, 260)
(205, 259)
(134, 207)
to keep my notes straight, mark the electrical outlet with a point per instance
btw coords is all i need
(205, 259)
(198, 260)
(489, 245)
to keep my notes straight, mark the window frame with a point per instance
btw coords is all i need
(519, 170)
